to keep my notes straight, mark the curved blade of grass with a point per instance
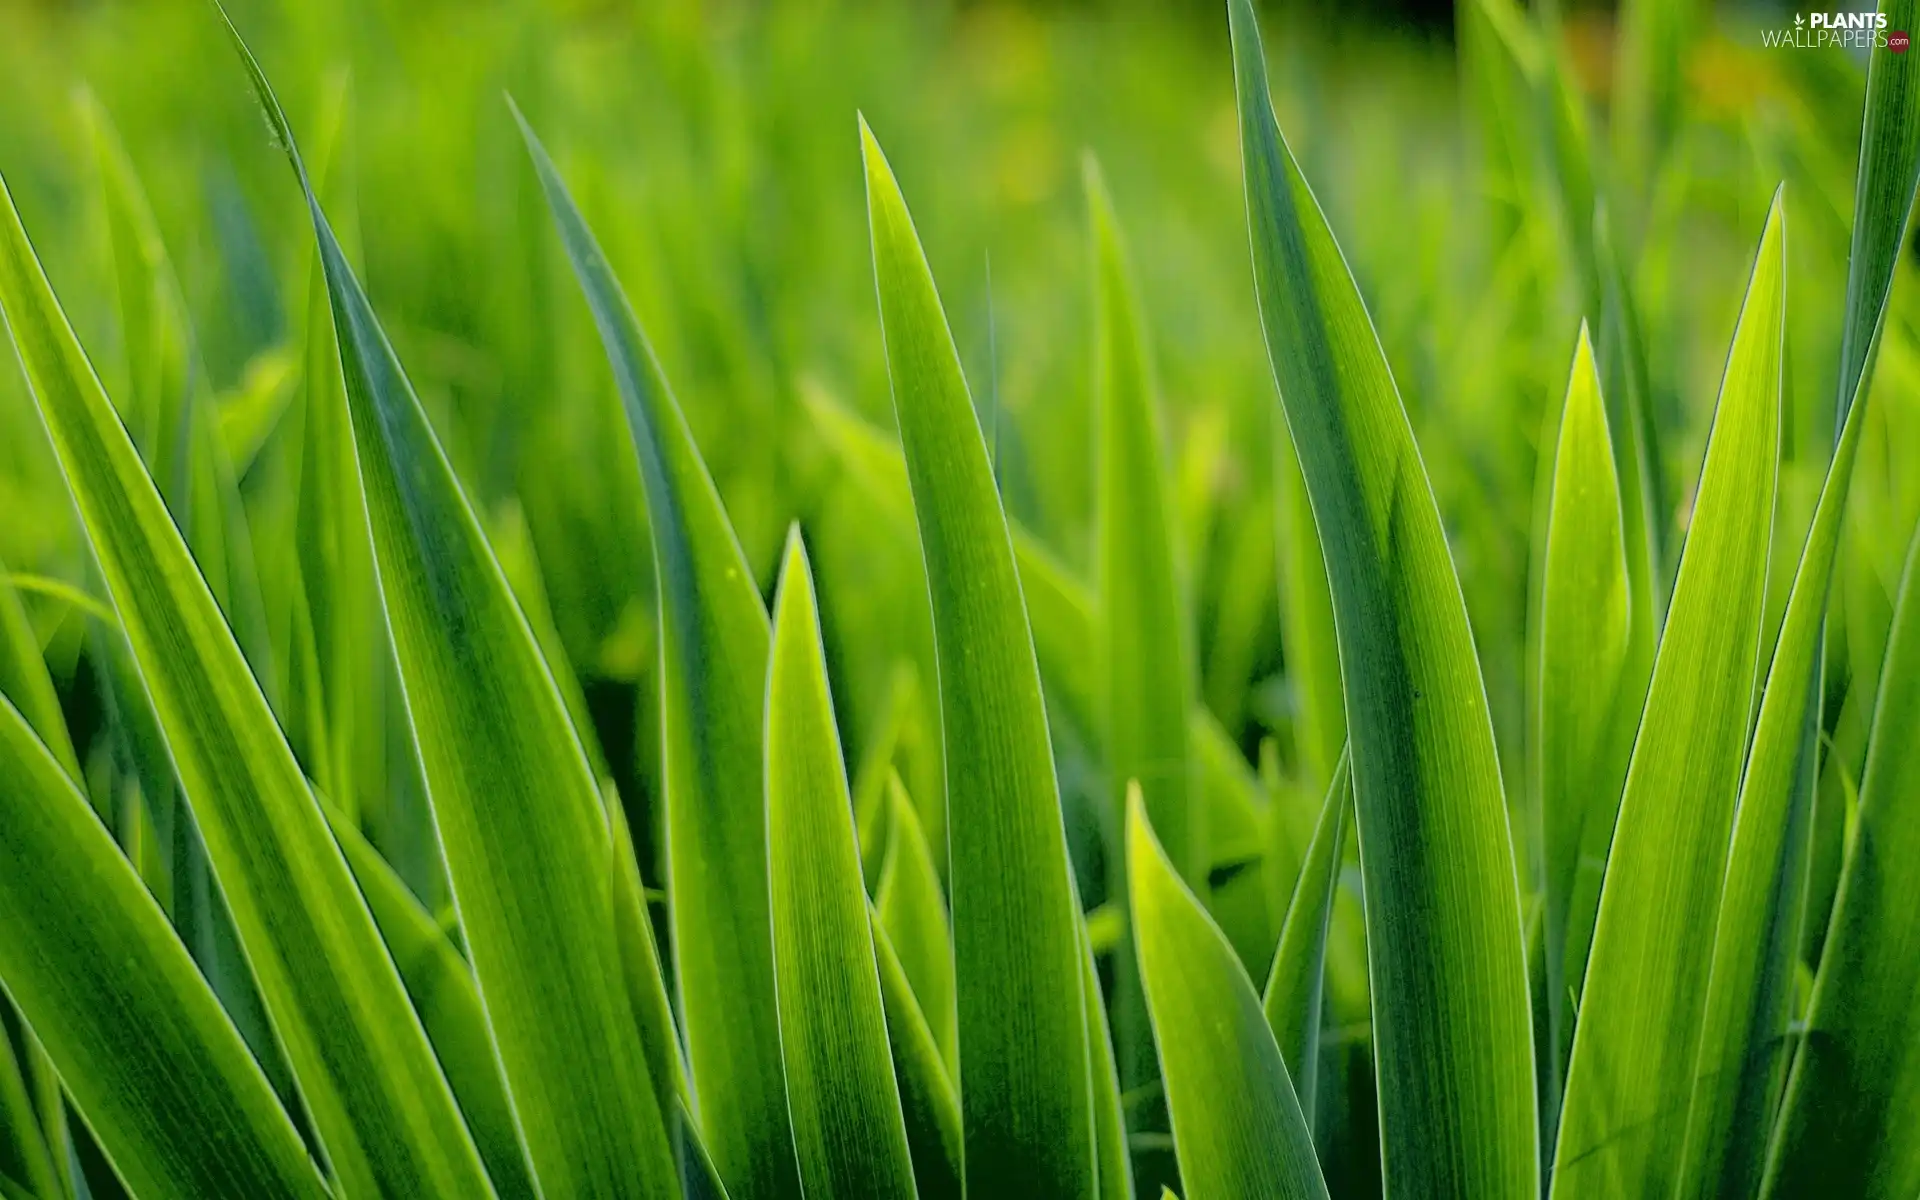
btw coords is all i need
(1144, 656)
(1023, 1031)
(1586, 707)
(1452, 1030)
(646, 979)
(365, 1070)
(514, 802)
(1306, 620)
(1112, 1155)
(1853, 1098)
(1641, 1008)
(713, 646)
(910, 905)
(1884, 190)
(847, 1127)
(25, 681)
(927, 1099)
(151, 1060)
(1744, 1042)
(1237, 1127)
(444, 995)
(26, 1151)
(1296, 984)
(699, 1178)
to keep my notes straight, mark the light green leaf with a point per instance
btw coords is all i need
(1634, 1048)
(364, 1067)
(910, 905)
(152, 1062)
(26, 1163)
(1024, 1084)
(1144, 657)
(514, 803)
(646, 979)
(1853, 1098)
(1306, 620)
(25, 681)
(1744, 1044)
(1237, 1127)
(847, 1127)
(444, 995)
(927, 1098)
(1593, 668)
(1883, 197)
(713, 647)
(1296, 985)
(1452, 1037)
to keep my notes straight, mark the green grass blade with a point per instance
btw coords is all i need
(646, 978)
(448, 1002)
(26, 1153)
(1744, 1043)
(151, 1061)
(1237, 1127)
(25, 681)
(1853, 1098)
(847, 1127)
(365, 1069)
(514, 803)
(1883, 197)
(1023, 1042)
(927, 1098)
(1586, 705)
(1113, 1156)
(714, 640)
(1630, 1075)
(1296, 984)
(1306, 620)
(912, 908)
(1144, 654)
(1452, 1030)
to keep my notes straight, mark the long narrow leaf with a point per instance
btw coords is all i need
(1452, 1033)
(142, 1045)
(1586, 703)
(514, 803)
(927, 1098)
(1853, 1100)
(910, 906)
(1744, 1038)
(1023, 1045)
(713, 648)
(847, 1127)
(1296, 984)
(1237, 1127)
(365, 1069)
(1630, 1076)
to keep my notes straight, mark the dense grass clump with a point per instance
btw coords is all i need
(513, 682)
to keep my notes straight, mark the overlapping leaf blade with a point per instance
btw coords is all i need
(1023, 1045)
(1237, 1127)
(1744, 1041)
(910, 905)
(1590, 659)
(1630, 1076)
(713, 646)
(1853, 1098)
(847, 1126)
(514, 803)
(927, 1098)
(365, 1069)
(139, 1039)
(1452, 1030)
(1296, 984)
